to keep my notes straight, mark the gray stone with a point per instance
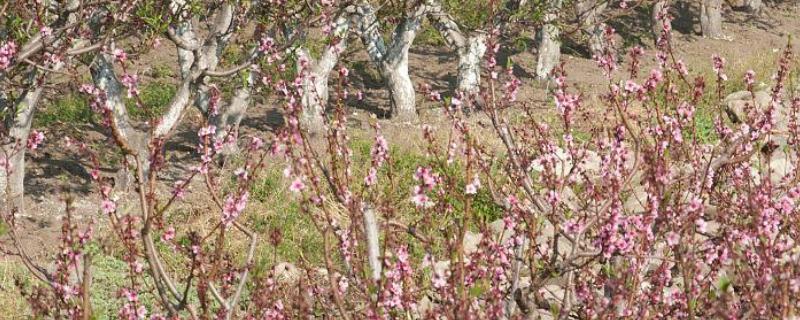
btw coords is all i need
(286, 273)
(471, 242)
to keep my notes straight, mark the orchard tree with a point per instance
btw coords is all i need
(29, 58)
(316, 71)
(549, 47)
(391, 59)
(589, 14)
(711, 19)
(469, 46)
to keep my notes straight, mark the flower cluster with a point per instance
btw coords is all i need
(7, 52)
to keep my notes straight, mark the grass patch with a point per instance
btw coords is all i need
(155, 97)
(275, 212)
(11, 302)
(70, 109)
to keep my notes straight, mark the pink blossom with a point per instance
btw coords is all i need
(297, 185)
(421, 200)
(120, 55)
(234, 205)
(35, 139)
(131, 82)
(206, 131)
(46, 31)
(7, 52)
(372, 177)
(108, 206)
(168, 235)
(179, 189)
(749, 78)
(256, 143)
(719, 67)
(455, 102)
(673, 238)
(434, 96)
(472, 187)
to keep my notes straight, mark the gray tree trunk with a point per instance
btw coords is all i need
(549, 42)
(470, 50)
(469, 64)
(12, 176)
(232, 114)
(106, 80)
(19, 120)
(402, 90)
(711, 19)
(315, 82)
(658, 7)
(393, 61)
(589, 12)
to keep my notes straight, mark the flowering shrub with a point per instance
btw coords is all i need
(618, 209)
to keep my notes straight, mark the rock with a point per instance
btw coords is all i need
(441, 267)
(739, 102)
(471, 242)
(589, 161)
(636, 201)
(424, 306)
(286, 273)
(780, 165)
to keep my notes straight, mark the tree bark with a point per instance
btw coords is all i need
(402, 90)
(658, 7)
(392, 62)
(315, 82)
(106, 80)
(470, 50)
(549, 43)
(711, 19)
(12, 176)
(19, 120)
(231, 115)
(469, 64)
(589, 12)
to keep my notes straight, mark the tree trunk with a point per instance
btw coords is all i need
(711, 19)
(314, 101)
(754, 6)
(549, 43)
(12, 176)
(231, 115)
(470, 50)
(469, 64)
(658, 7)
(18, 122)
(105, 79)
(589, 12)
(401, 90)
(393, 61)
(315, 83)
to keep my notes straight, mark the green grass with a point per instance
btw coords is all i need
(69, 109)
(161, 71)
(73, 109)
(11, 302)
(276, 211)
(155, 97)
